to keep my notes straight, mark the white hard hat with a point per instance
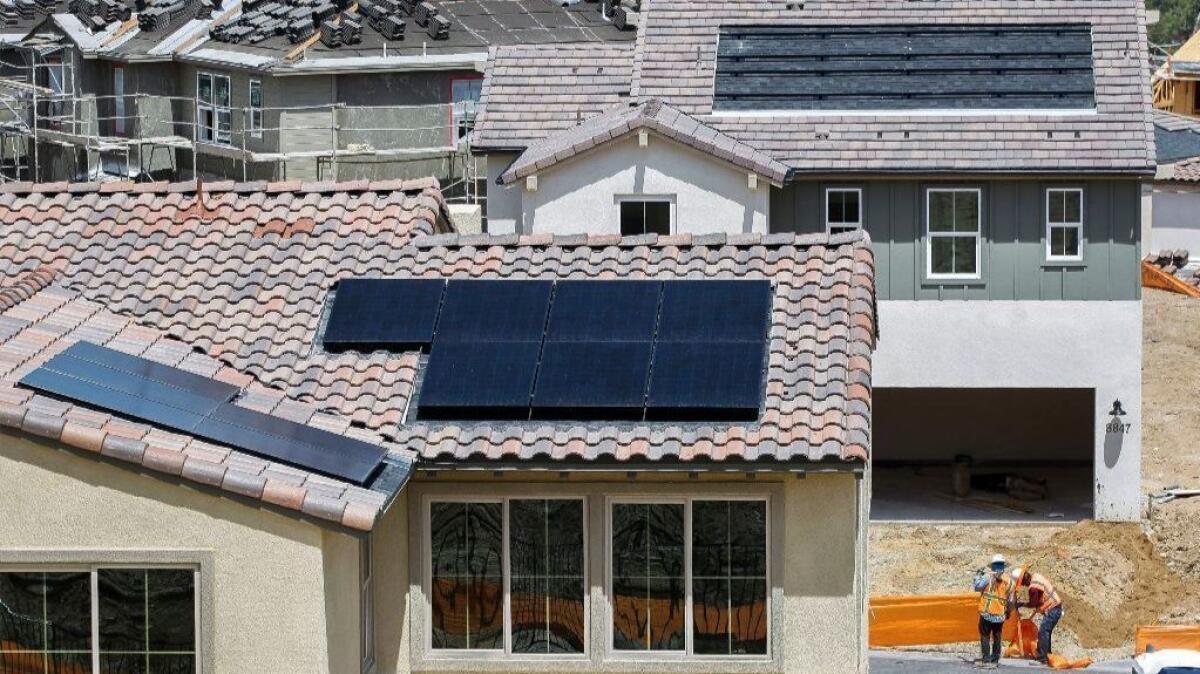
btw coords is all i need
(999, 559)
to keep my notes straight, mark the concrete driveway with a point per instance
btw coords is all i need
(883, 662)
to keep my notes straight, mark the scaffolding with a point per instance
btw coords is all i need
(142, 136)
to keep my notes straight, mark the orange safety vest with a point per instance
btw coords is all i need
(1049, 594)
(994, 599)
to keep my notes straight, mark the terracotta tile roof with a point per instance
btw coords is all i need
(240, 273)
(45, 319)
(818, 382)
(652, 114)
(531, 91)
(1184, 171)
(674, 60)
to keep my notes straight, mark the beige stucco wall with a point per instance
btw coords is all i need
(817, 577)
(278, 593)
(581, 195)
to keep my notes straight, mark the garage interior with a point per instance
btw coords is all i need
(986, 455)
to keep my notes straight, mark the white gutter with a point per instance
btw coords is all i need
(359, 64)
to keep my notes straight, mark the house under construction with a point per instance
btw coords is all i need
(262, 89)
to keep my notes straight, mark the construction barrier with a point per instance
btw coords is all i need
(1166, 636)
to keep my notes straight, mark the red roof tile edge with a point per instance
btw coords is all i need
(413, 185)
(24, 287)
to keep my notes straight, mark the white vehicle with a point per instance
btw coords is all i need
(1173, 661)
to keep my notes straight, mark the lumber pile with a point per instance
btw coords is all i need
(1165, 270)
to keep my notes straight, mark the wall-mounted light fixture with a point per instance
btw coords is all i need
(1117, 410)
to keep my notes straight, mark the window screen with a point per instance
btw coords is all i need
(547, 587)
(648, 582)
(467, 592)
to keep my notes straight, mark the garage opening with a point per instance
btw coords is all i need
(997, 454)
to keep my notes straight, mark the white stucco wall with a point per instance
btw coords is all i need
(1176, 217)
(503, 204)
(998, 344)
(581, 195)
(278, 594)
(818, 579)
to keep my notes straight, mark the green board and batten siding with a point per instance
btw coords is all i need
(1013, 254)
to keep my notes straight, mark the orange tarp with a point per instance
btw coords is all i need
(1166, 636)
(922, 621)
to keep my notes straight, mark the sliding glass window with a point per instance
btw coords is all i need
(533, 547)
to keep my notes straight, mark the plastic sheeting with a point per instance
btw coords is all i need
(1162, 637)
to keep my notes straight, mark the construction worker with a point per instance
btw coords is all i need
(995, 588)
(1044, 600)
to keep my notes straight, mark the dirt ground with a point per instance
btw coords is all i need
(1112, 576)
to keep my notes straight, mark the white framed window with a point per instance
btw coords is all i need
(506, 576)
(953, 232)
(214, 115)
(843, 209)
(255, 120)
(119, 112)
(464, 99)
(640, 214)
(366, 588)
(99, 619)
(1064, 223)
(689, 578)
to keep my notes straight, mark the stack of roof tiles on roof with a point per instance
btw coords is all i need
(818, 379)
(625, 119)
(239, 271)
(1177, 144)
(675, 61)
(39, 319)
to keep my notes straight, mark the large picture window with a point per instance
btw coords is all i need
(543, 571)
(690, 577)
(953, 233)
(1064, 224)
(145, 621)
(213, 113)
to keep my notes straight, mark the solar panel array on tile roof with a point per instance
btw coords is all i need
(520, 349)
(179, 400)
(909, 67)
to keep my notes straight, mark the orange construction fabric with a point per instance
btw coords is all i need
(1166, 636)
(927, 620)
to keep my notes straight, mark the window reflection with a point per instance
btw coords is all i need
(648, 576)
(729, 577)
(467, 586)
(546, 543)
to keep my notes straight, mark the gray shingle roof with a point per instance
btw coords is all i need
(1176, 137)
(532, 91)
(651, 114)
(675, 61)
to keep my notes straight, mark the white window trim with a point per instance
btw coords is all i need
(214, 109)
(504, 654)
(658, 198)
(1078, 226)
(685, 655)
(255, 126)
(92, 570)
(843, 225)
(930, 235)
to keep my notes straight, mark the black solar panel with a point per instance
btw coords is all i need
(494, 311)
(604, 311)
(487, 379)
(592, 379)
(182, 401)
(396, 314)
(287, 441)
(715, 311)
(905, 67)
(706, 380)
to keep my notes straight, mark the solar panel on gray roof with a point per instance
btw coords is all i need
(182, 401)
(904, 67)
(396, 314)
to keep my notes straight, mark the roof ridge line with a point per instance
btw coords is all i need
(223, 186)
(654, 240)
(26, 286)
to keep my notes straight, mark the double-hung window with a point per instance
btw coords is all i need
(953, 233)
(214, 115)
(255, 120)
(98, 620)
(843, 209)
(1064, 224)
(689, 577)
(507, 576)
